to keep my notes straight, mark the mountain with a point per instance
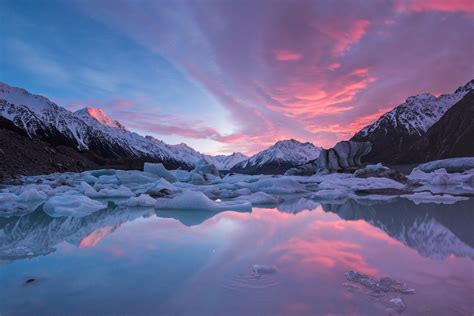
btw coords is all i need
(452, 136)
(91, 130)
(278, 158)
(226, 162)
(395, 131)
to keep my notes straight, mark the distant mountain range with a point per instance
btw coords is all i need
(423, 128)
(91, 130)
(393, 134)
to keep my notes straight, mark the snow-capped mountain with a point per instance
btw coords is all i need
(394, 131)
(226, 162)
(452, 136)
(91, 129)
(278, 158)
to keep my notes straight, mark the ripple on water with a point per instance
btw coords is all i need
(259, 277)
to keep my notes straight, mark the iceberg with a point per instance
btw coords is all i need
(451, 165)
(194, 200)
(71, 205)
(143, 200)
(159, 170)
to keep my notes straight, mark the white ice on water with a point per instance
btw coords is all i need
(80, 194)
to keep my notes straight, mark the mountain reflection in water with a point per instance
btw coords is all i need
(97, 263)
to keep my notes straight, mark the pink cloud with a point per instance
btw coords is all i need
(451, 6)
(286, 55)
(315, 71)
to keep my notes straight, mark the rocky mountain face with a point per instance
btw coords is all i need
(278, 158)
(91, 130)
(452, 136)
(395, 131)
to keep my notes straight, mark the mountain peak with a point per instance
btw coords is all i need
(100, 116)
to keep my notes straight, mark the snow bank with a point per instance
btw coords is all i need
(71, 205)
(192, 200)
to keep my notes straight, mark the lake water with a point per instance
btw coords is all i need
(142, 261)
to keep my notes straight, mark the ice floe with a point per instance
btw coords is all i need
(71, 205)
(204, 188)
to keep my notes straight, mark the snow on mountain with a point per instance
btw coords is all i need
(279, 157)
(99, 116)
(398, 128)
(91, 129)
(226, 162)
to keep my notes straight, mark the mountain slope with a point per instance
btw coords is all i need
(452, 136)
(394, 132)
(91, 130)
(278, 158)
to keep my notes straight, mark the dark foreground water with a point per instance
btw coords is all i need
(291, 260)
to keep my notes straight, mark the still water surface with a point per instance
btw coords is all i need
(142, 261)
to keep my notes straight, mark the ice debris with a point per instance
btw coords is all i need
(71, 205)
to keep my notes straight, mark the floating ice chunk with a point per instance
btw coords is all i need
(204, 167)
(427, 197)
(355, 184)
(333, 194)
(31, 195)
(440, 179)
(102, 172)
(260, 198)
(193, 200)
(143, 200)
(159, 170)
(134, 176)
(375, 167)
(451, 165)
(90, 179)
(276, 186)
(229, 193)
(88, 190)
(197, 179)
(71, 205)
(107, 179)
(121, 192)
(7, 197)
(263, 269)
(181, 175)
(157, 188)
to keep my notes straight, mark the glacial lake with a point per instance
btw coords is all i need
(288, 260)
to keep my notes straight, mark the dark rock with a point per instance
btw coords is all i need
(452, 136)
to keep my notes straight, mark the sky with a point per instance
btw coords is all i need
(225, 76)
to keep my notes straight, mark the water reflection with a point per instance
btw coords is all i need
(188, 262)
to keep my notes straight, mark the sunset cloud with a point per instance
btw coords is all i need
(229, 77)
